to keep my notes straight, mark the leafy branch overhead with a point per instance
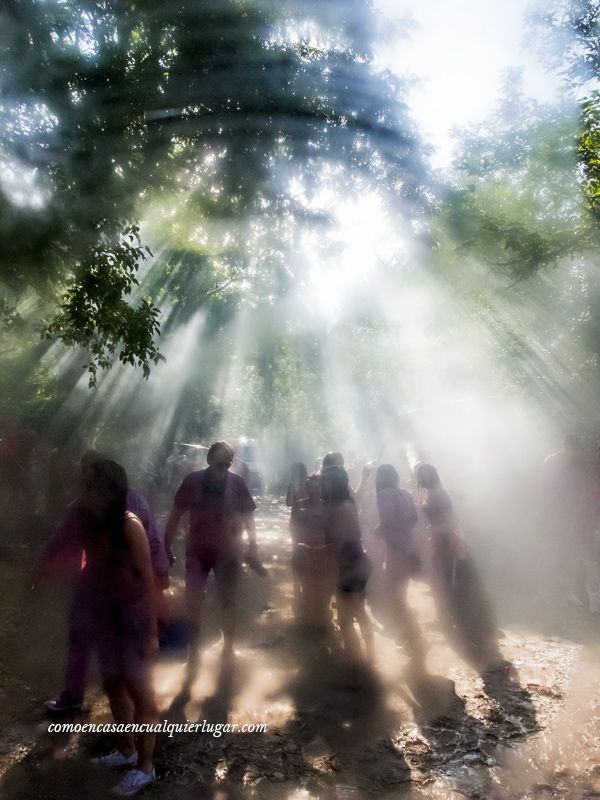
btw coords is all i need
(589, 152)
(94, 313)
(523, 187)
(116, 110)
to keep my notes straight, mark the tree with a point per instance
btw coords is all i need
(515, 202)
(515, 246)
(570, 38)
(115, 104)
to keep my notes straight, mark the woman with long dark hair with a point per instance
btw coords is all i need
(343, 530)
(297, 486)
(398, 517)
(120, 584)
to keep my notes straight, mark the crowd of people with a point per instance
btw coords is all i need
(109, 539)
(342, 550)
(355, 551)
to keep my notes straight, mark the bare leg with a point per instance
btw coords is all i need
(227, 578)
(345, 608)
(366, 626)
(296, 575)
(79, 653)
(142, 696)
(319, 603)
(122, 709)
(194, 599)
(411, 635)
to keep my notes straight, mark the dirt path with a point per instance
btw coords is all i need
(331, 734)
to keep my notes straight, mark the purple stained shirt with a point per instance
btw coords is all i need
(138, 505)
(65, 549)
(216, 509)
(397, 513)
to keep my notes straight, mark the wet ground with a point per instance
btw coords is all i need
(334, 733)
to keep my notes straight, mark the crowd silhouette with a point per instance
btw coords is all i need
(355, 553)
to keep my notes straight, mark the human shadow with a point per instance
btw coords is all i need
(342, 720)
(458, 741)
(515, 714)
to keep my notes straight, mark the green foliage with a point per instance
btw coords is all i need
(197, 108)
(94, 314)
(589, 153)
(572, 37)
(569, 34)
(516, 204)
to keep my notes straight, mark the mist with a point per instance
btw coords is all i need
(305, 228)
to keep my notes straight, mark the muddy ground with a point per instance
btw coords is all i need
(332, 734)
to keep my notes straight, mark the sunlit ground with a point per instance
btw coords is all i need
(329, 736)
(343, 329)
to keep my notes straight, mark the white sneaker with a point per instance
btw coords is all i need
(116, 759)
(133, 781)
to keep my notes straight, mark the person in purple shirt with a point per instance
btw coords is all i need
(398, 518)
(66, 553)
(219, 508)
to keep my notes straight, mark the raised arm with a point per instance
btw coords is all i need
(362, 487)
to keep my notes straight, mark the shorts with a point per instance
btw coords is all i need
(225, 566)
(353, 577)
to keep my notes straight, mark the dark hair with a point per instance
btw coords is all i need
(90, 456)
(298, 472)
(427, 476)
(111, 478)
(333, 459)
(334, 484)
(214, 449)
(386, 478)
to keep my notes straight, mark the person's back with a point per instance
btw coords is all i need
(308, 523)
(439, 511)
(313, 559)
(342, 523)
(343, 530)
(397, 519)
(397, 513)
(109, 570)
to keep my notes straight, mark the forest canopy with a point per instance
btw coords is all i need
(171, 171)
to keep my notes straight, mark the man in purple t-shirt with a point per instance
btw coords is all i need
(220, 508)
